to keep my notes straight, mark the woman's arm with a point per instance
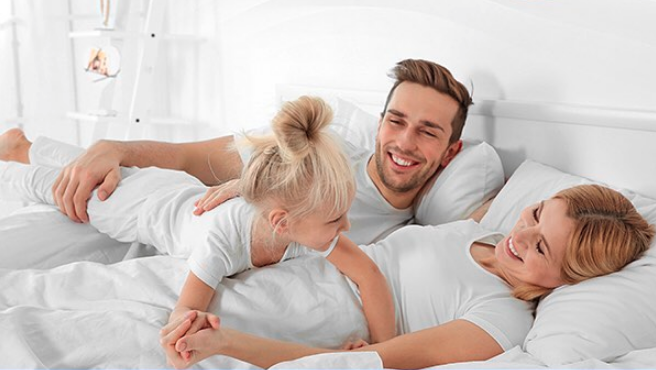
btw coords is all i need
(377, 302)
(455, 341)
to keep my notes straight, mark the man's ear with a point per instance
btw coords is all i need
(451, 152)
(278, 220)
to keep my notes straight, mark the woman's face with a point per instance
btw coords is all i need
(533, 251)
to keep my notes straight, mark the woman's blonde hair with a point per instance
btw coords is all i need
(608, 235)
(301, 167)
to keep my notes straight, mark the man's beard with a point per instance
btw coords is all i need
(415, 182)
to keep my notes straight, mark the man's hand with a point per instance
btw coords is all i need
(97, 167)
(217, 195)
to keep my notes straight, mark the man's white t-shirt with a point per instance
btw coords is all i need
(434, 279)
(372, 217)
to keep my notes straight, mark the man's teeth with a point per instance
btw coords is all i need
(512, 248)
(400, 161)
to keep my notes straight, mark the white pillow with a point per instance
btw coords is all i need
(602, 318)
(354, 124)
(474, 176)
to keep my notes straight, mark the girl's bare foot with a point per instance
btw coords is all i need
(14, 146)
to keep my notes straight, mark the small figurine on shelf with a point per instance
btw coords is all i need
(104, 61)
(104, 9)
(108, 13)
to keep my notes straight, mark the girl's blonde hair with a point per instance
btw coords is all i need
(301, 167)
(609, 234)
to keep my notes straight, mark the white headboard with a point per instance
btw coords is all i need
(615, 146)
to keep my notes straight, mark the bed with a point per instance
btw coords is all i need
(73, 298)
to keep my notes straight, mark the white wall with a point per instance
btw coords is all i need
(600, 53)
(590, 52)
(44, 63)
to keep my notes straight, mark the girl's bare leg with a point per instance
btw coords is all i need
(14, 146)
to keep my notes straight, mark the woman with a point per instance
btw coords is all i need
(454, 294)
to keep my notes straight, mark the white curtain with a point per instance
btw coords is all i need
(53, 81)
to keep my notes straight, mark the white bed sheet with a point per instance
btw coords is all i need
(95, 315)
(39, 236)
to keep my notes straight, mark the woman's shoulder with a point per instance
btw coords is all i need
(466, 228)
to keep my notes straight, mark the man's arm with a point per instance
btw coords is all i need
(211, 161)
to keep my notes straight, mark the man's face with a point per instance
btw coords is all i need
(413, 137)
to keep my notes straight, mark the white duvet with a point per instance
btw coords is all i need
(99, 315)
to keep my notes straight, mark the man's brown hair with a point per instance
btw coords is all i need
(435, 76)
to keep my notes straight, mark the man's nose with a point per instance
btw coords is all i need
(406, 140)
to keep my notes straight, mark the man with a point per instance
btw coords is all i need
(418, 134)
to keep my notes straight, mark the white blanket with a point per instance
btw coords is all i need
(93, 315)
(88, 315)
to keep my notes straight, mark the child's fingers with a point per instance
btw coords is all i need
(191, 315)
(214, 321)
(219, 197)
(200, 204)
(170, 337)
(197, 325)
(213, 203)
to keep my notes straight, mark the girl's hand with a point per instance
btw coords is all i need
(199, 321)
(202, 344)
(216, 195)
(171, 333)
(351, 345)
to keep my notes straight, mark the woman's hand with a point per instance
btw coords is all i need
(216, 195)
(171, 333)
(184, 348)
(199, 321)
(204, 343)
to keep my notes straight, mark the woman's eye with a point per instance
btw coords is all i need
(539, 249)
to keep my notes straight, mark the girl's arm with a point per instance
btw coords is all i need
(377, 302)
(195, 295)
(455, 341)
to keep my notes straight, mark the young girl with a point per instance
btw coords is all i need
(296, 191)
